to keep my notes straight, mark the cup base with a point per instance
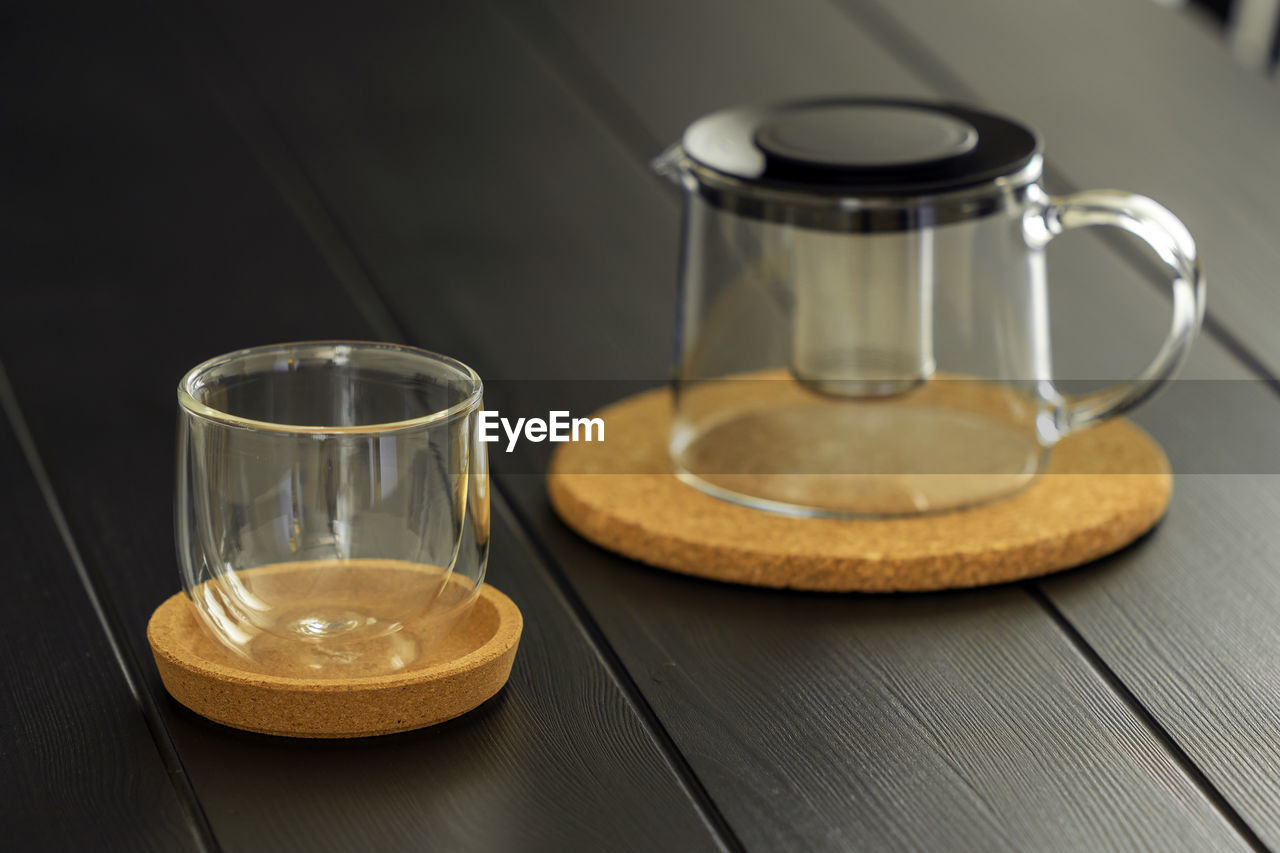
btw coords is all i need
(343, 618)
(303, 656)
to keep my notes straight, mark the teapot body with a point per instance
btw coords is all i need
(861, 373)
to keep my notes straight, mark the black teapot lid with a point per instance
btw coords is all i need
(860, 146)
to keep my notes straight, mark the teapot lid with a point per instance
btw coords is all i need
(857, 146)
(856, 164)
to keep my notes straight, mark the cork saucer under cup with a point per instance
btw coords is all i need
(469, 666)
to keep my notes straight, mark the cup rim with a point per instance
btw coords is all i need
(470, 403)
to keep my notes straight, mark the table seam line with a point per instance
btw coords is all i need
(111, 625)
(680, 766)
(1181, 758)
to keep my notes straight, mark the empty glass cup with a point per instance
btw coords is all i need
(332, 511)
(863, 328)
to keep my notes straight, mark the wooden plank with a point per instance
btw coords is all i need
(81, 771)
(1148, 610)
(1134, 96)
(449, 153)
(147, 238)
(1188, 622)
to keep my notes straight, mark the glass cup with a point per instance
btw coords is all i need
(332, 511)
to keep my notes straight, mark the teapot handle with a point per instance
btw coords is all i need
(1048, 216)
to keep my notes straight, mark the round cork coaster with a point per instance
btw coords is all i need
(470, 665)
(1103, 488)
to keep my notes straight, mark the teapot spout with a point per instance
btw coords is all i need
(673, 164)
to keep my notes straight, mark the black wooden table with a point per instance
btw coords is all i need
(185, 179)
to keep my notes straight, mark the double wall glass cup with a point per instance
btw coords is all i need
(332, 512)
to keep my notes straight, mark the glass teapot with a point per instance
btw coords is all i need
(863, 325)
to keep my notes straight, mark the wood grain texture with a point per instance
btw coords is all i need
(146, 238)
(1142, 98)
(80, 770)
(958, 721)
(1190, 625)
(1145, 611)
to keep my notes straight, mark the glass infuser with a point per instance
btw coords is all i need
(863, 327)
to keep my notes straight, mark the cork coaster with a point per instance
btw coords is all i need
(1103, 488)
(470, 665)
